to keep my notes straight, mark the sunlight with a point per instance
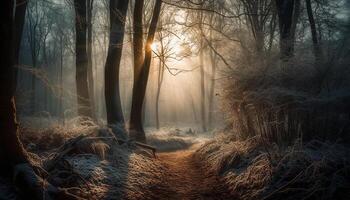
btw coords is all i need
(177, 99)
(180, 17)
(154, 46)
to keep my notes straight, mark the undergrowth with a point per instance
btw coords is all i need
(316, 170)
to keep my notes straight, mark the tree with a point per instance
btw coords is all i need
(163, 52)
(201, 70)
(141, 66)
(11, 149)
(13, 157)
(257, 13)
(162, 57)
(90, 4)
(37, 32)
(84, 104)
(315, 41)
(118, 10)
(288, 13)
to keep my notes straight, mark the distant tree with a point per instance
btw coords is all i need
(257, 13)
(202, 74)
(84, 104)
(37, 32)
(141, 66)
(90, 5)
(288, 15)
(315, 39)
(118, 10)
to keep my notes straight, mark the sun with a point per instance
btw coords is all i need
(154, 46)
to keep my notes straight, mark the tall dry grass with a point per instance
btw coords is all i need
(281, 101)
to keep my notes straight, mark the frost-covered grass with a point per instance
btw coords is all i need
(253, 170)
(283, 101)
(52, 134)
(100, 168)
(97, 167)
(170, 138)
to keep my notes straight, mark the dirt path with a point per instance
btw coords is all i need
(186, 180)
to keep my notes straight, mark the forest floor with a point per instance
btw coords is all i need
(187, 179)
(103, 169)
(188, 165)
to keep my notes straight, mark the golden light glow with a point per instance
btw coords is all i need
(154, 46)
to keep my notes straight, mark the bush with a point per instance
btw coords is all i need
(281, 101)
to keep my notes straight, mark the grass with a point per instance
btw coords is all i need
(316, 170)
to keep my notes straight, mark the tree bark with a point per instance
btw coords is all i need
(141, 68)
(11, 148)
(118, 10)
(83, 97)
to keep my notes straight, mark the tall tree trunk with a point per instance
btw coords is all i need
(11, 149)
(45, 87)
(272, 30)
(202, 86)
(288, 14)
(13, 157)
(141, 68)
(316, 44)
(33, 85)
(90, 4)
(83, 97)
(202, 74)
(159, 87)
(61, 109)
(118, 10)
(193, 105)
(19, 23)
(212, 89)
(136, 104)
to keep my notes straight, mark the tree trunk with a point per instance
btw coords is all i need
(201, 72)
(316, 44)
(202, 85)
(61, 109)
(136, 104)
(288, 14)
(118, 10)
(13, 157)
(212, 89)
(141, 69)
(11, 149)
(90, 4)
(83, 97)
(19, 23)
(272, 30)
(159, 87)
(33, 85)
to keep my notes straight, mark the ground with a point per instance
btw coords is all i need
(188, 165)
(103, 169)
(187, 179)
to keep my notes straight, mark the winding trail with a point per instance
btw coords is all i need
(187, 180)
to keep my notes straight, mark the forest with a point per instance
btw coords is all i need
(175, 99)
